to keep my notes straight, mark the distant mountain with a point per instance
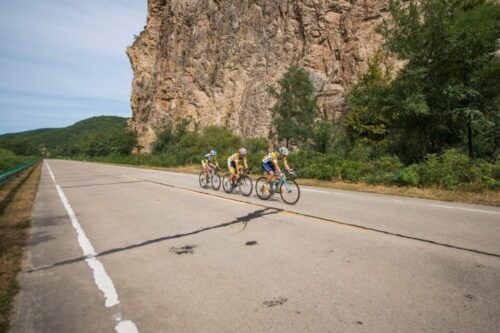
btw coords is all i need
(94, 136)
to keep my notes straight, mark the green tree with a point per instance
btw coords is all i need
(368, 118)
(19, 146)
(295, 109)
(443, 97)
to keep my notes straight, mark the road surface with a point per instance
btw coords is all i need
(135, 250)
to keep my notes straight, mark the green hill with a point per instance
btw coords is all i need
(96, 136)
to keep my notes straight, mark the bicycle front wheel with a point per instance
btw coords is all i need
(290, 192)
(261, 190)
(203, 180)
(216, 181)
(226, 184)
(245, 185)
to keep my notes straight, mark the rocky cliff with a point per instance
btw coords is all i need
(212, 60)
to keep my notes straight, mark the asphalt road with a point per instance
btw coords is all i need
(126, 249)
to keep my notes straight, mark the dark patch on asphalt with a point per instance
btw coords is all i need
(275, 301)
(470, 296)
(359, 322)
(250, 243)
(186, 249)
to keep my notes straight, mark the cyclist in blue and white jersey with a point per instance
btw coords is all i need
(271, 167)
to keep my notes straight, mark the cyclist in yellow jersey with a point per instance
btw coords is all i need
(233, 163)
(271, 167)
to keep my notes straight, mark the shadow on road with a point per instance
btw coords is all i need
(243, 219)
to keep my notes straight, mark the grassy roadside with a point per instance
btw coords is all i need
(16, 201)
(490, 198)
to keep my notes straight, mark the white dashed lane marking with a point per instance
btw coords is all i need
(467, 209)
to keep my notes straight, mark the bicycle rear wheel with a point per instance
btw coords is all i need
(203, 180)
(290, 192)
(261, 190)
(216, 181)
(226, 184)
(245, 185)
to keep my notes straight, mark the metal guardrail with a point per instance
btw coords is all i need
(16, 170)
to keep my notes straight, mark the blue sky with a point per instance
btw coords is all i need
(62, 61)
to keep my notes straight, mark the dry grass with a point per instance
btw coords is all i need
(489, 198)
(16, 201)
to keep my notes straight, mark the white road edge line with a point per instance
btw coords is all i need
(101, 278)
(318, 191)
(469, 209)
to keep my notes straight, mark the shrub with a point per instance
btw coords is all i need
(360, 153)
(323, 166)
(352, 171)
(382, 170)
(257, 148)
(407, 177)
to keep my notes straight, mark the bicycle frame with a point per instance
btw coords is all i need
(277, 184)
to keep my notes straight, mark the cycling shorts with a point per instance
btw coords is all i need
(232, 167)
(268, 167)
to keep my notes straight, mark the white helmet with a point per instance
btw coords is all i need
(242, 151)
(213, 152)
(283, 151)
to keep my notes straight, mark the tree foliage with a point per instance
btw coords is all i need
(369, 117)
(295, 109)
(447, 94)
(97, 136)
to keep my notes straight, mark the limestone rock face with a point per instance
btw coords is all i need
(212, 60)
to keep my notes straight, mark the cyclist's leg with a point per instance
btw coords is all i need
(232, 170)
(205, 167)
(270, 173)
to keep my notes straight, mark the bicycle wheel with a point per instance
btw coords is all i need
(260, 189)
(290, 192)
(245, 185)
(215, 181)
(226, 184)
(203, 180)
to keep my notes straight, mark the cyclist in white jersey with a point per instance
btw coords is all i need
(209, 161)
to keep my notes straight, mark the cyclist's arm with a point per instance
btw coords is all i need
(276, 165)
(287, 167)
(237, 163)
(245, 163)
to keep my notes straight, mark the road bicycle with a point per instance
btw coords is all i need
(242, 182)
(213, 178)
(288, 189)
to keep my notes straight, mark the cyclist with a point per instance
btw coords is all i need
(271, 167)
(209, 161)
(233, 163)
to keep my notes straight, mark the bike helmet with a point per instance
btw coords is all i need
(213, 152)
(242, 151)
(283, 151)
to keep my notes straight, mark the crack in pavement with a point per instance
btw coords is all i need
(242, 219)
(496, 255)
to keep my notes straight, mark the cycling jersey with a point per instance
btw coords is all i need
(232, 160)
(272, 157)
(236, 157)
(209, 157)
(269, 160)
